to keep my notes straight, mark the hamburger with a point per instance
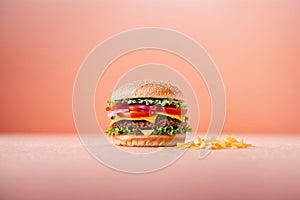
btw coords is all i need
(147, 113)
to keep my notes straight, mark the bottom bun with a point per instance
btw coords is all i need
(150, 141)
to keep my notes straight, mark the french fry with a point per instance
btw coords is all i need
(231, 139)
(199, 140)
(194, 146)
(222, 144)
(183, 145)
(202, 146)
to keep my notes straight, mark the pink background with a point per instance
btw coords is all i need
(255, 44)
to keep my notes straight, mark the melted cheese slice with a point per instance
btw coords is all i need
(179, 117)
(150, 119)
(148, 132)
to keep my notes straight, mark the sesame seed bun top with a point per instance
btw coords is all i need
(147, 89)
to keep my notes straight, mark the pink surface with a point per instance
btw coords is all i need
(45, 166)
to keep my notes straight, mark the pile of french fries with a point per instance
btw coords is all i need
(213, 143)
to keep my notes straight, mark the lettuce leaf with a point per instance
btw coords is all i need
(164, 130)
(163, 102)
(170, 130)
(120, 130)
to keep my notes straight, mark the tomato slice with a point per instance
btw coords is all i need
(139, 108)
(175, 111)
(134, 108)
(118, 106)
(134, 114)
(136, 111)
